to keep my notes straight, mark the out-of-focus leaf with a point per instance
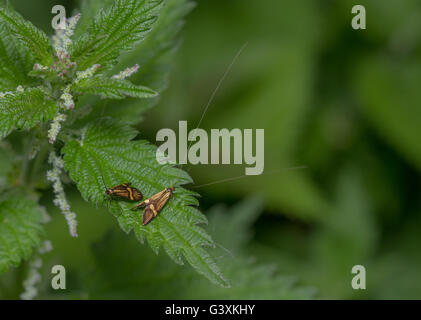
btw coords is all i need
(142, 275)
(399, 255)
(347, 237)
(395, 115)
(20, 229)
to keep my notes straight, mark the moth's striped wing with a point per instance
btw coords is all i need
(155, 204)
(148, 215)
(125, 191)
(160, 202)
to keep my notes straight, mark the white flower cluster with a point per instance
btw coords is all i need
(10, 93)
(60, 201)
(62, 38)
(4, 94)
(67, 98)
(45, 216)
(87, 73)
(38, 66)
(63, 64)
(45, 247)
(126, 73)
(34, 277)
(55, 127)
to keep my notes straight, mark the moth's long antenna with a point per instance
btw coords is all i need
(226, 250)
(245, 176)
(214, 93)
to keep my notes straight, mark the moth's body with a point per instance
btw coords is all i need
(125, 191)
(154, 204)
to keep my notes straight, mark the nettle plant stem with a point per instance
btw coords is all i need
(52, 91)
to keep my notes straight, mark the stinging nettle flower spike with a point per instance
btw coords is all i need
(4, 94)
(34, 277)
(67, 98)
(38, 66)
(60, 201)
(55, 127)
(19, 89)
(126, 73)
(45, 247)
(88, 73)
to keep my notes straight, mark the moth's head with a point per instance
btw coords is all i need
(171, 189)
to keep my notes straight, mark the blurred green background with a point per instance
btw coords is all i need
(345, 103)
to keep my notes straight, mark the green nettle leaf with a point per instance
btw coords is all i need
(113, 31)
(24, 110)
(89, 10)
(107, 156)
(112, 88)
(154, 55)
(11, 62)
(20, 228)
(35, 40)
